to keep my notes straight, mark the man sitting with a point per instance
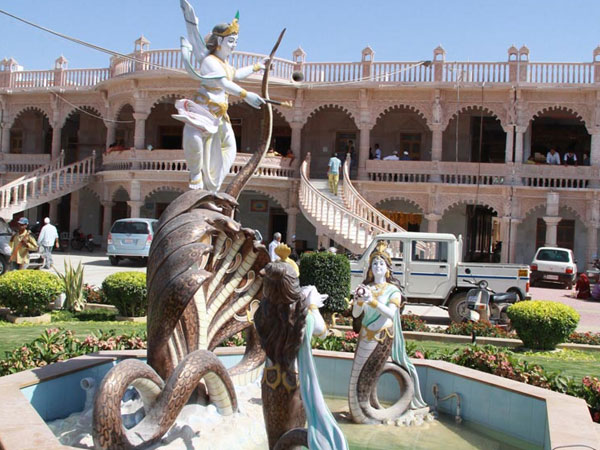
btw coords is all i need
(392, 157)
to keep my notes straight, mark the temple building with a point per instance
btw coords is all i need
(89, 146)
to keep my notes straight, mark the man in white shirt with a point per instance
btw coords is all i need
(377, 152)
(392, 157)
(552, 157)
(47, 239)
(273, 245)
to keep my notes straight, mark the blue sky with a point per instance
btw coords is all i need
(328, 30)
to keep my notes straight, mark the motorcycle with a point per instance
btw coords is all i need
(593, 273)
(80, 240)
(486, 305)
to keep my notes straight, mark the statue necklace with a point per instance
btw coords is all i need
(378, 289)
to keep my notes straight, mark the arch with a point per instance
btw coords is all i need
(336, 106)
(117, 190)
(449, 203)
(34, 108)
(486, 108)
(78, 109)
(280, 197)
(119, 108)
(93, 192)
(410, 201)
(574, 210)
(165, 98)
(533, 207)
(166, 188)
(385, 109)
(537, 110)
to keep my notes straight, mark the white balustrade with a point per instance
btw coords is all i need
(401, 72)
(563, 73)
(333, 72)
(476, 72)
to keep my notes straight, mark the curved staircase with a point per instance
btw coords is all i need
(349, 220)
(45, 184)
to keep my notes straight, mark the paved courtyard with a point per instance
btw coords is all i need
(97, 267)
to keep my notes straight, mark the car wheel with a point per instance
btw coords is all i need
(114, 260)
(3, 264)
(457, 308)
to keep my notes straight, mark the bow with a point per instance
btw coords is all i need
(241, 179)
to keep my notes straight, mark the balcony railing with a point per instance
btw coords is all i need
(487, 174)
(500, 72)
(174, 161)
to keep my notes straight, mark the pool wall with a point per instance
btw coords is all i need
(533, 415)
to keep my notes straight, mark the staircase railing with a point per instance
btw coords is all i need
(358, 205)
(339, 220)
(53, 165)
(47, 182)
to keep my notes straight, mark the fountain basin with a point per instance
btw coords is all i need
(532, 417)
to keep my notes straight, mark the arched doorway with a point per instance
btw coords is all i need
(474, 135)
(83, 132)
(402, 129)
(329, 129)
(402, 212)
(156, 202)
(559, 129)
(120, 208)
(31, 133)
(162, 131)
(125, 127)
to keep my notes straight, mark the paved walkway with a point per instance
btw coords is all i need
(97, 267)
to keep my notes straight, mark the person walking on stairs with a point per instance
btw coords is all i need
(334, 173)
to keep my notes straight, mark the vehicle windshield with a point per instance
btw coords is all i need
(130, 228)
(553, 255)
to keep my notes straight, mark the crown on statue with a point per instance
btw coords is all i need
(233, 28)
(381, 250)
(283, 251)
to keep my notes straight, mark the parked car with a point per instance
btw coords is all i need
(131, 239)
(554, 265)
(35, 258)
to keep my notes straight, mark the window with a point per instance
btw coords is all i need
(429, 251)
(130, 228)
(553, 255)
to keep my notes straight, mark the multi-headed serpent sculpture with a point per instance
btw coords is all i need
(203, 286)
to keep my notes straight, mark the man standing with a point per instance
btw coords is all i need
(377, 152)
(273, 245)
(553, 158)
(570, 158)
(334, 173)
(48, 238)
(405, 156)
(21, 243)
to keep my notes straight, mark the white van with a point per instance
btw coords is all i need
(554, 265)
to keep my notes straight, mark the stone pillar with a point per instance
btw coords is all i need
(5, 137)
(53, 212)
(106, 220)
(510, 141)
(111, 129)
(292, 215)
(74, 215)
(551, 229)
(432, 222)
(595, 149)
(436, 143)
(139, 140)
(56, 139)
(363, 150)
(592, 242)
(519, 132)
(136, 206)
(296, 142)
(513, 227)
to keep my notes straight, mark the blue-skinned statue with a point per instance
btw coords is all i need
(208, 140)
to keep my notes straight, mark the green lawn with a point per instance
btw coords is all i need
(576, 364)
(12, 336)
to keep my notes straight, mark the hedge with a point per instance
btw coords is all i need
(330, 274)
(127, 291)
(29, 292)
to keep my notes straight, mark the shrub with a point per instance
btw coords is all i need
(412, 322)
(330, 274)
(29, 292)
(483, 329)
(127, 291)
(57, 344)
(93, 294)
(585, 338)
(543, 324)
(591, 394)
(94, 315)
(73, 281)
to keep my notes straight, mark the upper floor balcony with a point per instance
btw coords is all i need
(516, 70)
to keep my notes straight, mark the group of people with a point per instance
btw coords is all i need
(553, 158)
(377, 154)
(23, 242)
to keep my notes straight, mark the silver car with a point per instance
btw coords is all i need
(131, 239)
(35, 259)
